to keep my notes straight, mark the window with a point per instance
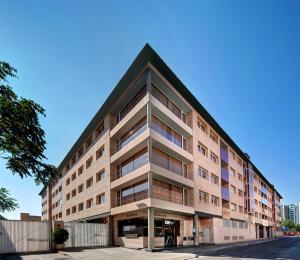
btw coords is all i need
(233, 189)
(232, 172)
(137, 227)
(88, 142)
(214, 179)
(80, 170)
(241, 209)
(233, 223)
(89, 203)
(134, 193)
(89, 162)
(100, 199)
(100, 152)
(239, 160)
(73, 209)
(67, 167)
(241, 224)
(68, 212)
(203, 196)
(80, 188)
(100, 175)
(213, 137)
(226, 223)
(135, 162)
(80, 152)
(202, 172)
(213, 157)
(89, 182)
(202, 125)
(233, 207)
(99, 129)
(202, 149)
(73, 193)
(80, 206)
(73, 160)
(68, 181)
(226, 238)
(240, 177)
(214, 200)
(232, 155)
(68, 196)
(240, 193)
(73, 177)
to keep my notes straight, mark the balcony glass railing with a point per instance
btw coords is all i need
(131, 136)
(264, 201)
(130, 105)
(264, 190)
(225, 193)
(224, 174)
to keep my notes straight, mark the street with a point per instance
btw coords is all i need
(288, 248)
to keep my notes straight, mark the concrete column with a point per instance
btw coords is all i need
(150, 229)
(196, 228)
(265, 232)
(150, 185)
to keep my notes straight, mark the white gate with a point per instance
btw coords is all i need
(86, 234)
(24, 236)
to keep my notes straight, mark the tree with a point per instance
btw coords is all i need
(6, 202)
(288, 223)
(22, 140)
(297, 227)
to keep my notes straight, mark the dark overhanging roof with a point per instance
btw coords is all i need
(148, 55)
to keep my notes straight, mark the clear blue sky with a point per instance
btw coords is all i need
(241, 59)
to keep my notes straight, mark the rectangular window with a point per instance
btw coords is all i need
(73, 209)
(89, 162)
(213, 157)
(68, 196)
(67, 181)
(215, 200)
(133, 193)
(241, 209)
(233, 223)
(73, 177)
(202, 125)
(73, 193)
(240, 177)
(213, 137)
(203, 196)
(100, 175)
(232, 155)
(214, 179)
(100, 152)
(80, 206)
(202, 172)
(100, 129)
(73, 160)
(89, 182)
(89, 203)
(240, 193)
(88, 142)
(233, 189)
(80, 188)
(232, 173)
(202, 149)
(80, 170)
(68, 212)
(100, 199)
(133, 163)
(80, 152)
(240, 161)
(226, 223)
(233, 207)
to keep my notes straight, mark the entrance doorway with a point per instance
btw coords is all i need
(171, 230)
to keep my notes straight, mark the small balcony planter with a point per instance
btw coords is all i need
(60, 236)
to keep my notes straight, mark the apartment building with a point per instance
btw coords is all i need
(157, 167)
(291, 212)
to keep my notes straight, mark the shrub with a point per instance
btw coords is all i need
(60, 236)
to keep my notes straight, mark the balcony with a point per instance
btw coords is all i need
(225, 193)
(264, 190)
(224, 174)
(224, 155)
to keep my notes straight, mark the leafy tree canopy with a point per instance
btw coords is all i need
(22, 140)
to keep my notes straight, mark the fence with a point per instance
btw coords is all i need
(22, 236)
(86, 234)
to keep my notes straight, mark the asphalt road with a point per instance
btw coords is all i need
(286, 248)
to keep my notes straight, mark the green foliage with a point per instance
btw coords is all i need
(288, 223)
(6, 202)
(22, 140)
(297, 227)
(60, 236)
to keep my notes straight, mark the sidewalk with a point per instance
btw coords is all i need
(203, 248)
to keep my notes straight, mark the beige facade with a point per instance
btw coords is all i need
(156, 166)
